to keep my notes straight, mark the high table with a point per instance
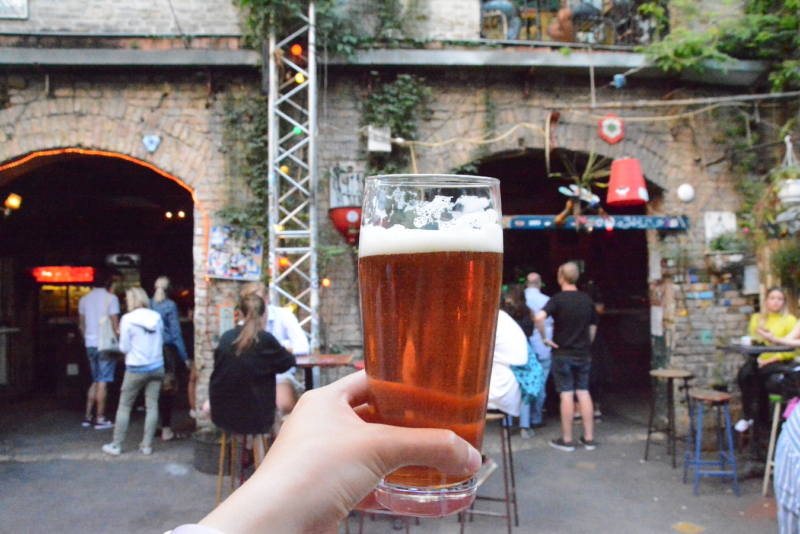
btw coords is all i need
(307, 363)
(753, 352)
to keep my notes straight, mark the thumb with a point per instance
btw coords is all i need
(442, 450)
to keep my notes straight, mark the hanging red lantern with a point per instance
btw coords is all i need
(626, 185)
(347, 221)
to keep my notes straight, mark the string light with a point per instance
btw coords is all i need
(326, 282)
(168, 215)
(181, 214)
(299, 78)
(297, 49)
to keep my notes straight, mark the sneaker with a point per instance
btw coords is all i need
(526, 433)
(167, 434)
(146, 450)
(576, 416)
(588, 444)
(112, 449)
(103, 423)
(742, 425)
(562, 445)
(597, 415)
(87, 422)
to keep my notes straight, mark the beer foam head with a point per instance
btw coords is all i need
(376, 240)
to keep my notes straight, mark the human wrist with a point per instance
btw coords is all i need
(195, 529)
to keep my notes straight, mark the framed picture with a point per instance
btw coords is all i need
(235, 254)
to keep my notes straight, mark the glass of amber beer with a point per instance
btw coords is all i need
(430, 268)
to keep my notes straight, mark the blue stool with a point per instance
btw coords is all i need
(693, 458)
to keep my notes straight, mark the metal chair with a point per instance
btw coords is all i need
(727, 457)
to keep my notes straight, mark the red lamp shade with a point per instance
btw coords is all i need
(348, 221)
(626, 185)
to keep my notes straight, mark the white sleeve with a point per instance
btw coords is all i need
(124, 335)
(113, 306)
(295, 333)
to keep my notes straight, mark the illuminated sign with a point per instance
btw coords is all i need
(63, 275)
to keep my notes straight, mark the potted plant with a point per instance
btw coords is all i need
(786, 263)
(725, 252)
(787, 177)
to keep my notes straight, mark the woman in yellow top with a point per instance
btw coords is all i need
(771, 325)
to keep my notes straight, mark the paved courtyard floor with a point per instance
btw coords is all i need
(53, 478)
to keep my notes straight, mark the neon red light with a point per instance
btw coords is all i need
(63, 275)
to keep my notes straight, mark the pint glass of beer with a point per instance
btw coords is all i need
(430, 268)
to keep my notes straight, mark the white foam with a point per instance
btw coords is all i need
(375, 240)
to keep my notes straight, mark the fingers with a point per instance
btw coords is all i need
(441, 449)
(353, 387)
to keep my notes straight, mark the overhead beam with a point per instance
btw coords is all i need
(94, 57)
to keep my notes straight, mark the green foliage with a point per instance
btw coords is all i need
(397, 105)
(786, 263)
(768, 30)
(727, 242)
(685, 49)
(245, 139)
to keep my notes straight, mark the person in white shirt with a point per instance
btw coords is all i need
(141, 338)
(510, 348)
(98, 304)
(282, 324)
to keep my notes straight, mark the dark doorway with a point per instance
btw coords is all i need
(615, 264)
(77, 211)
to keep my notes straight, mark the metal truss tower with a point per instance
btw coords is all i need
(293, 173)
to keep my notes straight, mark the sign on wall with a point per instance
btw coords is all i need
(13, 9)
(347, 184)
(235, 254)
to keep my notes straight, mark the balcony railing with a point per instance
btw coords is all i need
(594, 22)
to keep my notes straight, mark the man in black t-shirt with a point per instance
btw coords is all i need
(575, 324)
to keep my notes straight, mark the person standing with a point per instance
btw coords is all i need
(536, 300)
(174, 350)
(787, 475)
(99, 304)
(574, 327)
(141, 338)
(282, 324)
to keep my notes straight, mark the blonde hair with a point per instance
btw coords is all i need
(136, 297)
(253, 288)
(253, 309)
(570, 272)
(762, 320)
(162, 286)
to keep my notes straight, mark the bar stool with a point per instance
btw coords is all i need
(231, 450)
(777, 400)
(693, 458)
(509, 482)
(669, 375)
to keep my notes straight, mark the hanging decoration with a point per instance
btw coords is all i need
(626, 185)
(789, 185)
(611, 129)
(347, 220)
(581, 199)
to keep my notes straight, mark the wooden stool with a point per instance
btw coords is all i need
(259, 440)
(509, 482)
(670, 375)
(777, 400)
(693, 458)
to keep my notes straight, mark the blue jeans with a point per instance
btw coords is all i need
(532, 415)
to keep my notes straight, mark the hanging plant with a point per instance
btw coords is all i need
(786, 263)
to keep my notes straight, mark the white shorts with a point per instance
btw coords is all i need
(287, 378)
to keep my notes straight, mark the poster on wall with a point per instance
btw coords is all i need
(347, 184)
(13, 9)
(235, 254)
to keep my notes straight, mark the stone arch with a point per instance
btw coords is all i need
(528, 128)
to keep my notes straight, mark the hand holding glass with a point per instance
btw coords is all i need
(430, 269)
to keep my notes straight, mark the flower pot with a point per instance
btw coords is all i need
(206, 452)
(789, 191)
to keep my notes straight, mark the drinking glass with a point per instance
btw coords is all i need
(430, 269)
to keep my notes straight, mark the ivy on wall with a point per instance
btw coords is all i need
(767, 30)
(398, 105)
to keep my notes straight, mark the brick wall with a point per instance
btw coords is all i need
(447, 19)
(132, 17)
